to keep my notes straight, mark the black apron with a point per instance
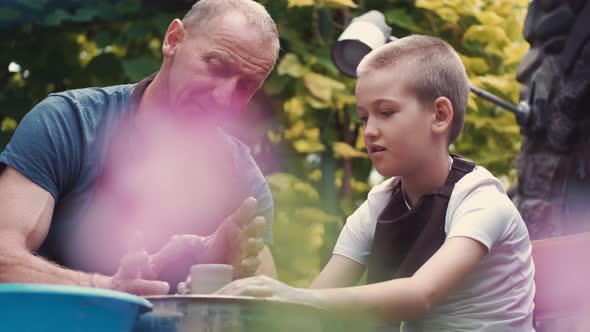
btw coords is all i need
(405, 239)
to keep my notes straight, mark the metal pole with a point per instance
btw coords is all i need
(494, 99)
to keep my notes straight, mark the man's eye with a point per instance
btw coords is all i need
(220, 70)
(216, 68)
(245, 86)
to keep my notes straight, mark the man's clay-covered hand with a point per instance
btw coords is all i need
(238, 241)
(138, 272)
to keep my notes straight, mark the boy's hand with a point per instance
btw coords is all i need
(266, 287)
(237, 240)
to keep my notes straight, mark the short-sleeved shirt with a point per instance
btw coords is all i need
(60, 146)
(498, 294)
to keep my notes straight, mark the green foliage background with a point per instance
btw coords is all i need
(321, 173)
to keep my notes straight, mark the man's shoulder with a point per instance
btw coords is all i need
(95, 96)
(233, 141)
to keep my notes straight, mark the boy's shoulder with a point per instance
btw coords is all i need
(383, 189)
(481, 193)
(480, 209)
(480, 179)
(386, 185)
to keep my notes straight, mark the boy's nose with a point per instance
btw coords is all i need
(370, 129)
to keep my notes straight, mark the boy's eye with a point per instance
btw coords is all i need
(386, 112)
(364, 119)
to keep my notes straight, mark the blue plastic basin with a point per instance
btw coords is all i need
(41, 307)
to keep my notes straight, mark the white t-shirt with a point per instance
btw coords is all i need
(498, 294)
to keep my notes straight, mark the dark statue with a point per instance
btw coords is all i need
(553, 165)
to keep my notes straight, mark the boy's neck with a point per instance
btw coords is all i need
(427, 177)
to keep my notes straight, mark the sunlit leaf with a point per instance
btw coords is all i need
(274, 137)
(296, 130)
(341, 3)
(307, 146)
(315, 175)
(291, 66)
(294, 107)
(300, 3)
(429, 4)
(342, 100)
(360, 140)
(471, 104)
(316, 103)
(447, 14)
(344, 150)
(493, 35)
(312, 134)
(514, 53)
(489, 18)
(476, 65)
(359, 186)
(8, 124)
(322, 87)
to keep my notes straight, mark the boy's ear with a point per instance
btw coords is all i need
(174, 35)
(443, 115)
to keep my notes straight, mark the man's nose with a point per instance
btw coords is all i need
(223, 91)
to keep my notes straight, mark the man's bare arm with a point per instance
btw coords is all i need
(25, 216)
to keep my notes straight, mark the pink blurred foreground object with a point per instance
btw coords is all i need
(562, 277)
(163, 175)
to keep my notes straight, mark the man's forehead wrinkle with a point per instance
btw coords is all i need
(236, 49)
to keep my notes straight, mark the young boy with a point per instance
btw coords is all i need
(445, 248)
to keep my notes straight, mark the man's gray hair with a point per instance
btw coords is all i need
(432, 69)
(205, 10)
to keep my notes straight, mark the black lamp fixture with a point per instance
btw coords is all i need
(370, 31)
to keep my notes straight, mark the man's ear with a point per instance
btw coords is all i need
(442, 115)
(174, 36)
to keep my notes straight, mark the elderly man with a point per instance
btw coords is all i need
(214, 60)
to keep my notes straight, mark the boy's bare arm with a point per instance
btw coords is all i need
(394, 300)
(411, 298)
(339, 272)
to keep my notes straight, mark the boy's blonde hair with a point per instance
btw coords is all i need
(432, 68)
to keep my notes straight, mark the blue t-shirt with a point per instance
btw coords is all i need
(60, 146)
